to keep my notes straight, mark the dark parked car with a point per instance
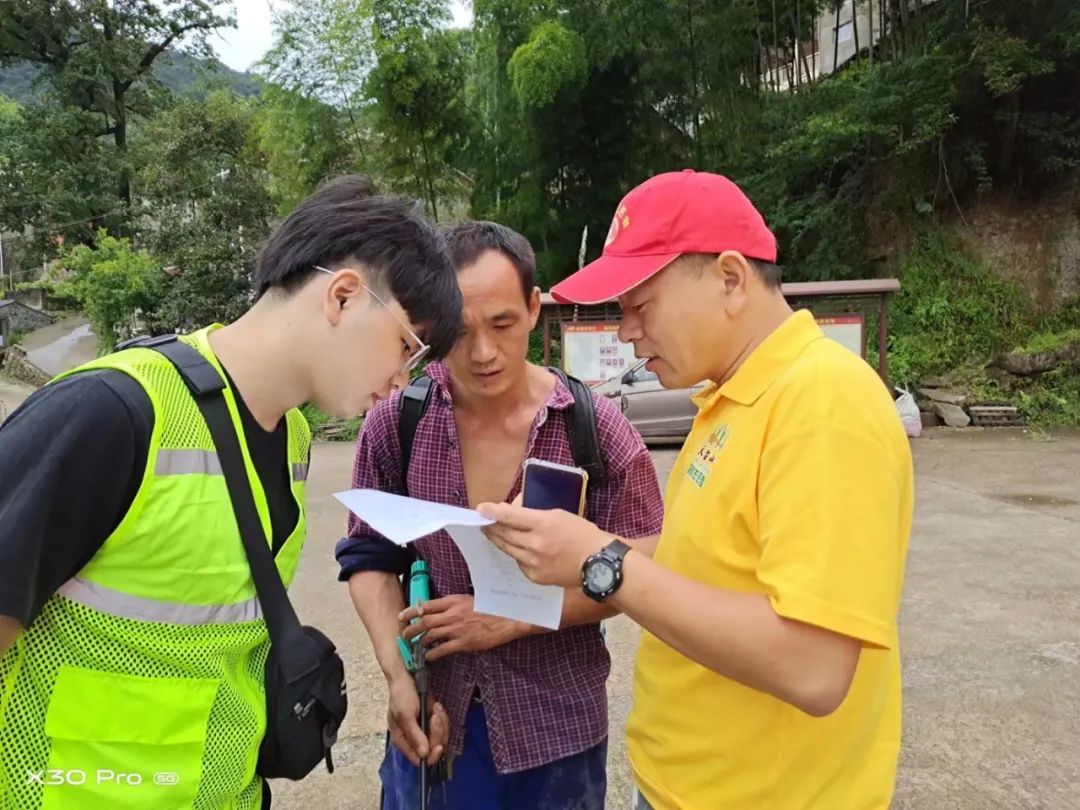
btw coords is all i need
(656, 412)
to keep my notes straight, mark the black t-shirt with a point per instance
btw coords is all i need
(72, 458)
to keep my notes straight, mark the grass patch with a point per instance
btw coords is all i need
(1064, 318)
(953, 316)
(1045, 400)
(314, 416)
(1049, 341)
(329, 428)
(1052, 399)
(951, 311)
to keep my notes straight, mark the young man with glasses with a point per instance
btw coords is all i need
(131, 639)
(416, 352)
(526, 709)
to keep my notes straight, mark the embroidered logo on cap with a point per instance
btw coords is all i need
(620, 222)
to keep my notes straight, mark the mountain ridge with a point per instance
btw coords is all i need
(176, 70)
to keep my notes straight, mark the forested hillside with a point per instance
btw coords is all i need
(927, 154)
(177, 71)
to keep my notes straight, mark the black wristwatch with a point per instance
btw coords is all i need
(601, 575)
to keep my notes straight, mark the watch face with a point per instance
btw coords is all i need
(599, 577)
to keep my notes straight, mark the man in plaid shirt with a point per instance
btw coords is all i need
(525, 721)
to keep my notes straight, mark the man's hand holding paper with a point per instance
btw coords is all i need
(500, 587)
(549, 545)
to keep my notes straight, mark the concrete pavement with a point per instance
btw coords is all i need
(54, 349)
(61, 346)
(990, 630)
(990, 624)
(12, 395)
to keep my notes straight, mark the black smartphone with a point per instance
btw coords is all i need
(547, 485)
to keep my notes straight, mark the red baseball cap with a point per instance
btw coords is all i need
(663, 218)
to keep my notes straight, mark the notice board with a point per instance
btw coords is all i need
(848, 329)
(591, 351)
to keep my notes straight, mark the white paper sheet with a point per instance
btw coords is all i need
(403, 519)
(499, 586)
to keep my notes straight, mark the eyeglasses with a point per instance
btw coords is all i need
(422, 348)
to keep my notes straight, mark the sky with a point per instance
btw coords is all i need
(244, 45)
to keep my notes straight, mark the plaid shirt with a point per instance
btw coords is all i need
(544, 695)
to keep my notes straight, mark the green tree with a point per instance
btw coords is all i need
(323, 50)
(417, 87)
(304, 141)
(9, 109)
(113, 283)
(563, 125)
(205, 181)
(56, 176)
(12, 125)
(553, 60)
(98, 56)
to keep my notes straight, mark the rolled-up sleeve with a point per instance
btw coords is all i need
(377, 466)
(630, 503)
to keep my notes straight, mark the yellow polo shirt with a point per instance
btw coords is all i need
(796, 483)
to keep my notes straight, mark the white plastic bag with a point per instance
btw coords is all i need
(909, 413)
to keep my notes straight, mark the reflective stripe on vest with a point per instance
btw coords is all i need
(127, 606)
(203, 462)
(187, 462)
(151, 659)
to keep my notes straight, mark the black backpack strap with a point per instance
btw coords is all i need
(202, 379)
(207, 387)
(411, 408)
(581, 427)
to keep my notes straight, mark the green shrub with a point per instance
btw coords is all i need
(324, 426)
(1043, 341)
(951, 311)
(112, 281)
(1050, 399)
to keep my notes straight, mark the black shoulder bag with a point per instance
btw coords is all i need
(305, 677)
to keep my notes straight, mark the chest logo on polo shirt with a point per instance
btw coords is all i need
(702, 465)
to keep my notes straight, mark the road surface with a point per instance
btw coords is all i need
(12, 394)
(61, 346)
(990, 630)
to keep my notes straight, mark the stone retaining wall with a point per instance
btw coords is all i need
(16, 365)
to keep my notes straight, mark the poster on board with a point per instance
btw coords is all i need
(592, 351)
(848, 329)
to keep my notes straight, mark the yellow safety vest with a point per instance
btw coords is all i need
(140, 684)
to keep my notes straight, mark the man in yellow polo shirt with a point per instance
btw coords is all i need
(769, 672)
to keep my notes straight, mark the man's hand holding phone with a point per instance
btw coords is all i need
(543, 529)
(547, 485)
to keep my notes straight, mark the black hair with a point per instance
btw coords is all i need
(768, 272)
(401, 253)
(468, 241)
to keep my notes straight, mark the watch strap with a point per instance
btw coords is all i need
(612, 556)
(617, 548)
